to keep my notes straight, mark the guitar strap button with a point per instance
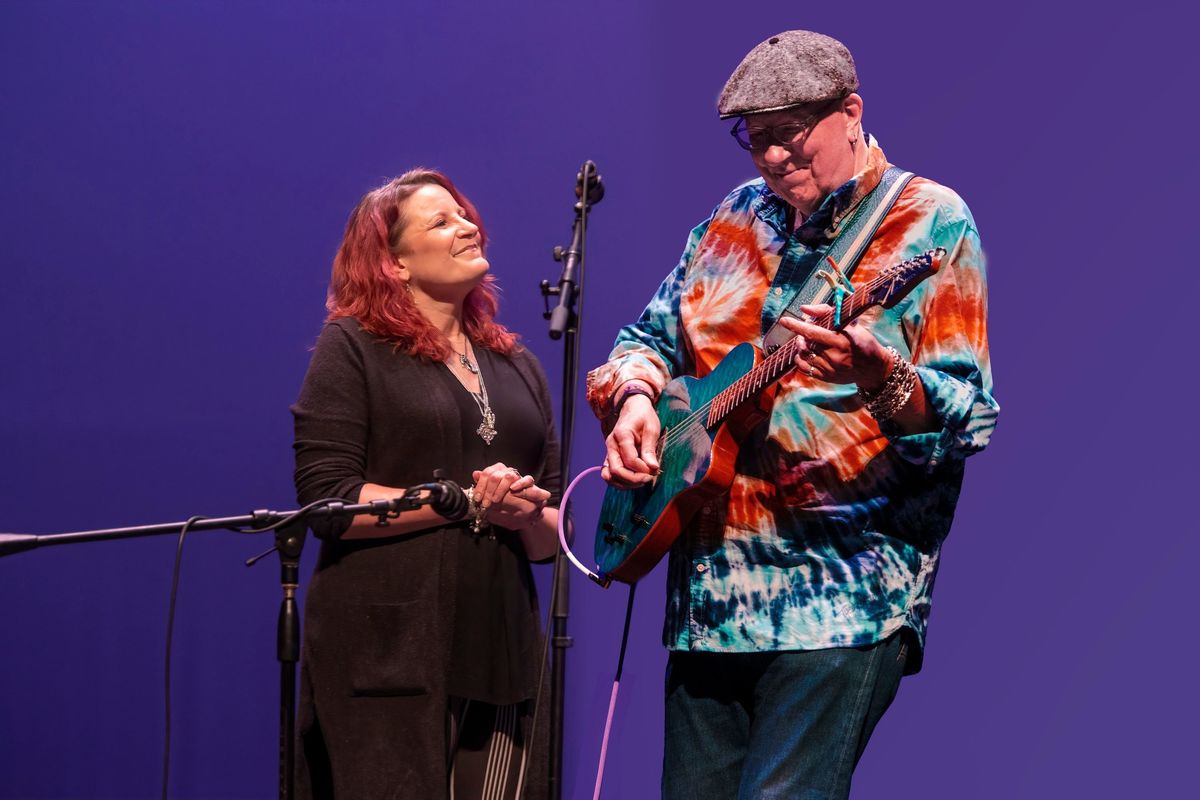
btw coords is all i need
(702, 568)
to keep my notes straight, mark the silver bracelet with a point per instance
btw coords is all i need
(901, 382)
(475, 513)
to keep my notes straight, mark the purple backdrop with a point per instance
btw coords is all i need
(175, 179)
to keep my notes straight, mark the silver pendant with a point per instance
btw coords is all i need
(467, 365)
(487, 428)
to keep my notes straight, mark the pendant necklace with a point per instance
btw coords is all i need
(467, 364)
(487, 427)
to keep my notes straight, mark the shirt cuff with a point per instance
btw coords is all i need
(952, 400)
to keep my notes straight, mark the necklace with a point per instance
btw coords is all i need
(466, 363)
(487, 426)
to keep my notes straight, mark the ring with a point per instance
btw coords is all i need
(812, 373)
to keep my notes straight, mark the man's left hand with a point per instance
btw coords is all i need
(852, 355)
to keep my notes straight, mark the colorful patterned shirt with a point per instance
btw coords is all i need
(831, 531)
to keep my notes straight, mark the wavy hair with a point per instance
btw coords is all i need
(365, 284)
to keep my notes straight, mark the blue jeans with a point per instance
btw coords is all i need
(793, 724)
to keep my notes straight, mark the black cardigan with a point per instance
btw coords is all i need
(378, 612)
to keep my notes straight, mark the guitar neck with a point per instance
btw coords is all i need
(886, 289)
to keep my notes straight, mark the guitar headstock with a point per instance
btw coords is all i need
(891, 285)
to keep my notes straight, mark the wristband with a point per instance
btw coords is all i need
(628, 390)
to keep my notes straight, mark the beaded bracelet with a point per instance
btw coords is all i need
(475, 512)
(901, 382)
(479, 525)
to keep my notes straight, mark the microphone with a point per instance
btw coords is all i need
(595, 186)
(589, 190)
(446, 497)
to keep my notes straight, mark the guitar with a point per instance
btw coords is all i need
(704, 420)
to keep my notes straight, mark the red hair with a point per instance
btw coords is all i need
(365, 284)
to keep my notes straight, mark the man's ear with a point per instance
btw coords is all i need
(852, 107)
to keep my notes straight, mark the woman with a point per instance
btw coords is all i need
(422, 650)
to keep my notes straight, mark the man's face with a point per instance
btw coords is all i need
(818, 161)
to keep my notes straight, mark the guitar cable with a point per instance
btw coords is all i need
(603, 581)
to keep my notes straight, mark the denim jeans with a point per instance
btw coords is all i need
(755, 726)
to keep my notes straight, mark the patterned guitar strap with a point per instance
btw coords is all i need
(845, 250)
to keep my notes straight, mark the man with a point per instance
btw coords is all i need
(797, 601)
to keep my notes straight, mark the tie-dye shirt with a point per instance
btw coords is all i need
(831, 531)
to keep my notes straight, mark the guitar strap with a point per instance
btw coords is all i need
(845, 250)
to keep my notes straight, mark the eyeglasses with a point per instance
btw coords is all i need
(756, 139)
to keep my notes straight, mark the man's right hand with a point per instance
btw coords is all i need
(631, 459)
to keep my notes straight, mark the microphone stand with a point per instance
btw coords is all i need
(333, 515)
(564, 324)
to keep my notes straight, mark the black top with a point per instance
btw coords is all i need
(494, 581)
(379, 617)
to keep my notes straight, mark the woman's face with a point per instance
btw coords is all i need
(439, 254)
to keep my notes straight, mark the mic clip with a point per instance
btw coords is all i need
(549, 291)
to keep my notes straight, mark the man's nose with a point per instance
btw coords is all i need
(775, 154)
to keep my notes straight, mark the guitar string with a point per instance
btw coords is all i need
(784, 353)
(742, 383)
(687, 424)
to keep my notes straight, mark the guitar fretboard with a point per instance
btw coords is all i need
(887, 287)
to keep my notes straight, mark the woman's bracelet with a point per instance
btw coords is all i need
(475, 512)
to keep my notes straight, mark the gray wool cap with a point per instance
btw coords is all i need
(789, 69)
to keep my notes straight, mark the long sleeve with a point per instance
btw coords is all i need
(330, 418)
(650, 349)
(946, 326)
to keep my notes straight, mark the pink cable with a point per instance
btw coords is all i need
(612, 705)
(612, 700)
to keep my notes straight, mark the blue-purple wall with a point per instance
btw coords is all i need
(174, 179)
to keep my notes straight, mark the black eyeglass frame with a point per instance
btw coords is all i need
(802, 129)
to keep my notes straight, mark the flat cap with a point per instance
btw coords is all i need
(789, 69)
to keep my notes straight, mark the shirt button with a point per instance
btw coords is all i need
(778, 291)
(701, 568)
